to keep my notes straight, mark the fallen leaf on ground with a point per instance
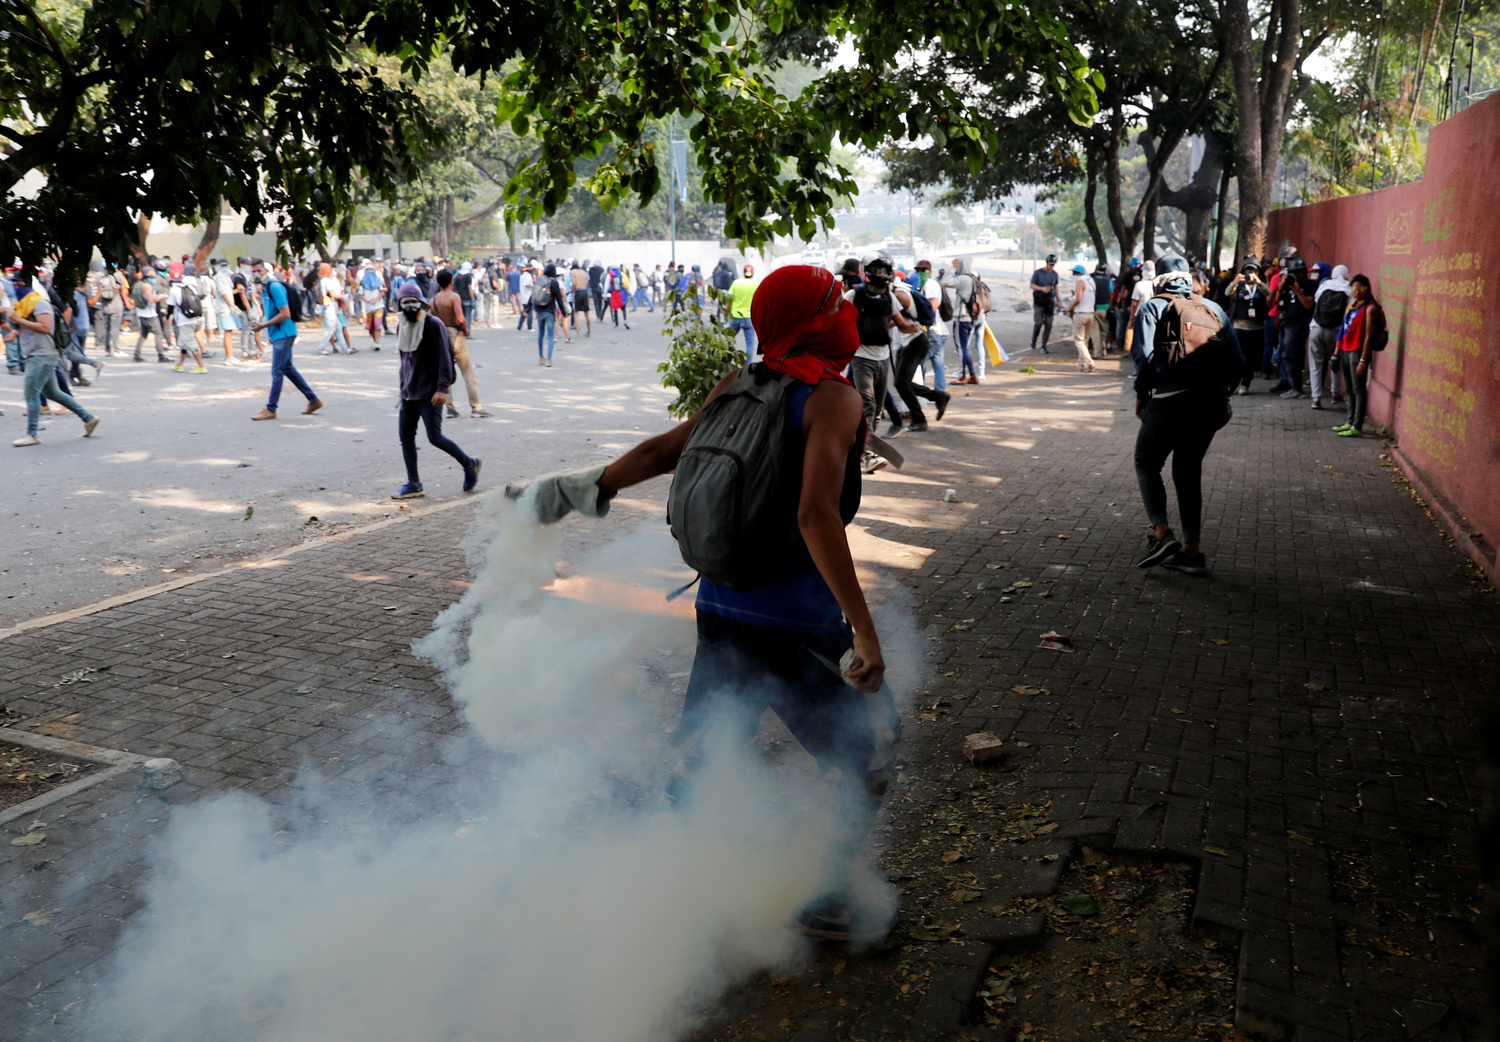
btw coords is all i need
(951, 856)
(963, 897)
(1050, 827)
(1315, 687)
(1220, 640)
(31, 839)
(1300, 838)
(1026, 689)
(39, 918)
(1215, 850)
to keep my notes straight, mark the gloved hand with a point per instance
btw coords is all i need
(558, 495)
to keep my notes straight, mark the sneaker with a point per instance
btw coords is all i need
(1158, 550)
(870, 463)
(452, 413)
(89, 425)
(199, 369)
(895, 430)
(834, 919)
(1341, 427)
(942, 403)
(549, 363)
(1317, 403)
(471, 474)
(540, 360)
(918, 427)
(1292, 393)
(25, 440)
(1339, 398)
(1187, 564)
(1351, 432)
(478, 414)
(410, 490)
(177, 368)
(264, 414)
(1243, 390)
(79, 381)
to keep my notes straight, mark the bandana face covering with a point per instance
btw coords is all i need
(409, 329)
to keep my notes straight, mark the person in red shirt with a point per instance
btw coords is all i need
(1364, 319)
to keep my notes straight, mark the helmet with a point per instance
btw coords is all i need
(1051, 258)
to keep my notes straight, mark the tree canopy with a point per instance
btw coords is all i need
(180, 107)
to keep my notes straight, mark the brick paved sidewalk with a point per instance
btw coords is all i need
(1303, 723)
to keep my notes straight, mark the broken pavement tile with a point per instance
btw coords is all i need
(1054, 641)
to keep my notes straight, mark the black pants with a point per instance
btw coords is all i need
(1041, 323)
(907, 361)
(432, 418)
(1182, 426)
(599, 301)
(1356, 386)
(526, 313)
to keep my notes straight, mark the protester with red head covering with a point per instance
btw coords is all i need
(800, 641)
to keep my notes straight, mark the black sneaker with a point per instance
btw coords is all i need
(1187, 564)
(1158, 550)
(895, 430)
(942, 403)
(834, 919)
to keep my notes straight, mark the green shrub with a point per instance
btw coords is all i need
(703, 352)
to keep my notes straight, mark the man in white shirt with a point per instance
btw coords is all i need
(226, 312)
(937, 333)
(524, 296)
(1081, 311)
(1143, 292)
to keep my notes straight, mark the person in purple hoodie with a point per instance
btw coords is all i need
(426, 387)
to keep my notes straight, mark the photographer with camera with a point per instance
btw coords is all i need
(1294, 304)
(1248, 306)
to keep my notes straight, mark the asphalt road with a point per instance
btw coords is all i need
(178, 480)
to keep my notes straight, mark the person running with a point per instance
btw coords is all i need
(426, 388)
(145, 297)
(642, 294)
(283, 333)
(448, 307)
(187, 316)
(546, 299)
(32, 316)
(580, 281)
(937, 334)
(1181, 407)
(372, 294)
(805, 628)
(1043, 302)
(1359, 335)
(877, 311)
(1081, 311)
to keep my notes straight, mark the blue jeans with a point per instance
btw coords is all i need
(469, 313)
(281, 367)
(41, 382)
(966, 364)
(935, 358)
(432, 418)
(642, 300)
(546, 326)
(737, 324)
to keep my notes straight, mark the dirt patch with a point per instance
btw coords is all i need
(27, 773)
(1119, 961)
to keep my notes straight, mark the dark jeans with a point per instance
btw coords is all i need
(1268, 362)
(282, 368)
(1293, 353)
(742, 669)
(432, 418)
(600, 301)
(907, 361)
(966, 364)
(871, 378)
(1181, 426)
(1251, 367)
(1041, 322)
(1356, 386)
(525, 322)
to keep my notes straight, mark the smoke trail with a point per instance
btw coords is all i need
(567, 906)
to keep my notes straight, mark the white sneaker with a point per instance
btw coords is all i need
(25, 440)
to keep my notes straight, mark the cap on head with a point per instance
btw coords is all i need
(749, 270)
(851, 266)
(1051, 258)
(411, 291)
(1078, 269)
(924, 265)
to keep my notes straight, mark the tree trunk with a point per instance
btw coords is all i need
(1263, 90)
(1148, 242)
(138, 248)
(1091, 219)
(1124, 233)
(1219, 225)
(208, 242)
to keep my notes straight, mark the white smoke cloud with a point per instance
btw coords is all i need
(558, 902)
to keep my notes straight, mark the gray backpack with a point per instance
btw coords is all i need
(733, 504)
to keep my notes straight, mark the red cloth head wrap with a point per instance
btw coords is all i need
(796, 335)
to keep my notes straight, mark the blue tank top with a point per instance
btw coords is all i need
(798, 599)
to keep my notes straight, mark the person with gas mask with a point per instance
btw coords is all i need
(283, 333)
(427, 372)
(876, 310)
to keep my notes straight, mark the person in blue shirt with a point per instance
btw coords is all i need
(283, 334)
(1181, 408)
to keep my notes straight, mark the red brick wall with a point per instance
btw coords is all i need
(1424, 247)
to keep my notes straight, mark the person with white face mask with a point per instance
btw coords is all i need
(427, 373)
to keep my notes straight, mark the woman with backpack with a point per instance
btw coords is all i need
(1362, 332)
(796, 636)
